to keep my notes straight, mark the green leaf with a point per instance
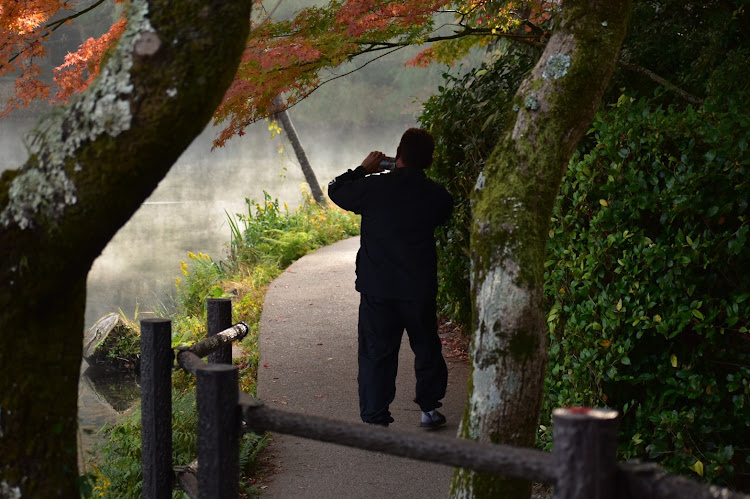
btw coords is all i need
(698, 314)
(625, 360)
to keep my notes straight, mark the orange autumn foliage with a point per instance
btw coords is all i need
(24, 26)
(81, 67)
(281, 57)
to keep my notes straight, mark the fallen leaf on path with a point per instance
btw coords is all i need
(265, 365)
(320, 396)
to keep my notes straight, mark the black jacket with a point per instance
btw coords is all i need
(400, 210)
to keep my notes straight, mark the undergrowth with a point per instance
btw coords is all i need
(264, 241)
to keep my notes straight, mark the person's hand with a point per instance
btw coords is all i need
(371, 164)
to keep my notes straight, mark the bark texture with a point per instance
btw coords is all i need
(512, 204)
(92, 164)
(299, 151)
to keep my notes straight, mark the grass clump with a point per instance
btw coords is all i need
(264, 241)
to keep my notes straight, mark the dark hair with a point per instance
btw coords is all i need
(416, 148)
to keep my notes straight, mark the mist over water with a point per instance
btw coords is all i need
(188, 210)
(338, 125)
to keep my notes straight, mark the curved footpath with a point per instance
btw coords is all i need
(308, 364)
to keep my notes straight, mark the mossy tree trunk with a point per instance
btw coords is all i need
(512, 205)
(299, 151)
(92, 163)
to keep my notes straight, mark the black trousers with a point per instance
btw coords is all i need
(381, 324)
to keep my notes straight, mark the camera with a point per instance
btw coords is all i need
(388, 163)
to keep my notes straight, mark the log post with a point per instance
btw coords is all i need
(219, 318)
(585, 453)
(156, 407)
(218, 431)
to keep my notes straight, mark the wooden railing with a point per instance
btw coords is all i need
(582, 465)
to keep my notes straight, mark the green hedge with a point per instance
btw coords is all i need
(647, 274)
(647, 284)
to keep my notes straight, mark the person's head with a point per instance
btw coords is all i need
(416, 148)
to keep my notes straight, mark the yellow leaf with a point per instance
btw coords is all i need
(657, 318)
(697, 467)
(709, 391)
(562, 291)
(619, 305)
(605, 343)
(673, 360)
(603, 202)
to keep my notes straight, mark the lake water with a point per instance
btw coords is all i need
(188, 212)
(338, 126)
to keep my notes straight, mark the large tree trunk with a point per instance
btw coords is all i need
(299, 151)
(91, 166)
(512, 205)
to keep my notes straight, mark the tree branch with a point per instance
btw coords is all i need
(661, 81)
(284, 107)
(467, 31)
(56, 24)
(268, 17)
(51, 28)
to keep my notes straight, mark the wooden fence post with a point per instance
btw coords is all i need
(156, 407)
(218, 431)
(219, 318)
(585, 453)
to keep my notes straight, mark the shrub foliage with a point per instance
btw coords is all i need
(647, 292)
(646, 287)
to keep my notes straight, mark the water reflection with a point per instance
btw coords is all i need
(103, 396)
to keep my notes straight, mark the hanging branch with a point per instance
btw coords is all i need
(661, 81)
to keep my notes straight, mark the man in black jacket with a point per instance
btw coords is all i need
(397, 274)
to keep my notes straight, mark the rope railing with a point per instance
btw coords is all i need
(189, 358)
(157, 358)
(512, 462)
(582, 464)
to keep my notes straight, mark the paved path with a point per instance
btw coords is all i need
(308, 349)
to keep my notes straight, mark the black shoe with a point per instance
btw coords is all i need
(438, 420)
(384, 425)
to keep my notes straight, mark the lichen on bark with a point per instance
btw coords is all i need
(46, 185)
(512, 205)
(113, 144)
